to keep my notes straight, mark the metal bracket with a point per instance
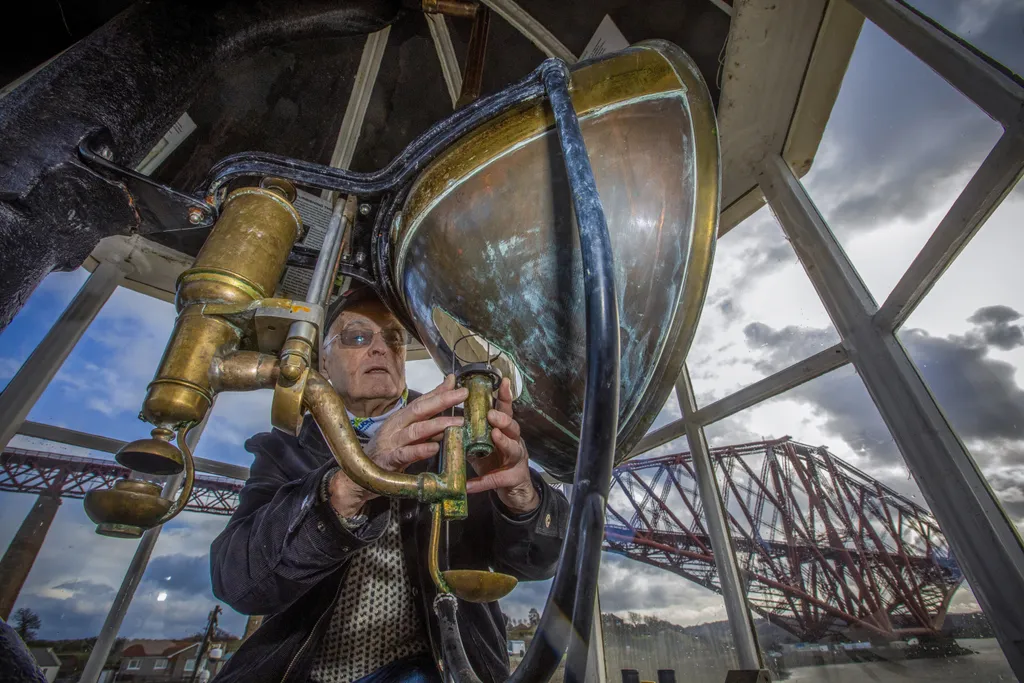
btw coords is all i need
(160, 208)
(274, 317)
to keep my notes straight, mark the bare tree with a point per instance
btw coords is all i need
(534, 616)
(27, 623)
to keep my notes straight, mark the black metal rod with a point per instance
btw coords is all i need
(458, 665)
(400, 170)
(574, 585)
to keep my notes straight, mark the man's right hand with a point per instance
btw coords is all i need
(410, 435)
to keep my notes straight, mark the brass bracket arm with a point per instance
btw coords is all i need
(244, 371)
(328, 410)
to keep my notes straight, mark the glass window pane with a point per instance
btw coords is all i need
(967, 340)
(757, 285)
(34, 320)
(842, 552)
(660, 608)
(100, 387)
(994, 27)
(900, 145)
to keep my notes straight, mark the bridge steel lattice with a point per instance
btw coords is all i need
(825, 550)
(72, 476)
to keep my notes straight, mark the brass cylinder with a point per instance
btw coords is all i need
(244, 256)
(181, 392)
(477, 441)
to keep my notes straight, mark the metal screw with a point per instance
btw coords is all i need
(364, 209)
(195, 216)
(106, 153)
(360, 257)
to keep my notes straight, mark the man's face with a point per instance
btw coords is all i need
(373, 371)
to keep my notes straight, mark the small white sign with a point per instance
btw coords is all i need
(171, 140)
(607, 38)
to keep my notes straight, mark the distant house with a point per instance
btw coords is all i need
(516, 648)
(169, 660)
(47, 661)
(146, 661)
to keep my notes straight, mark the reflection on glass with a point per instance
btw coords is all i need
(759, 297)
(843, 558)
(899, 146)
(967, 340)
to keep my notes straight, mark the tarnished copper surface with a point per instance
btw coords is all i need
(495, 211)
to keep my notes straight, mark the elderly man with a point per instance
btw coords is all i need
(343, 573)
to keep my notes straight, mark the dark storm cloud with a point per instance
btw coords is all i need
(996, 329)
(978, 393)
(898, 133)
(787, 345)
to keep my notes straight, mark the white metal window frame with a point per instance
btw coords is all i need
(160, 664)
(133, 665)
(190, 664)
(983, 537)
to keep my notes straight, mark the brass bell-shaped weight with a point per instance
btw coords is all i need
(155, 455)
(133, 506)
(128, 509)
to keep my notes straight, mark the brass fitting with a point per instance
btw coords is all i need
(242, 261)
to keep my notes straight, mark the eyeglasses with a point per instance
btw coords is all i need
(359, 337)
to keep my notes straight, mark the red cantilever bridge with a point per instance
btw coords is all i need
(824, 548)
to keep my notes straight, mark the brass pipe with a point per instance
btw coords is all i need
(478, 403)
(244, 371)
(453, 471)
(434, 550)
(328, 411)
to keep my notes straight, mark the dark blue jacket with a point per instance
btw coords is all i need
(284, 554)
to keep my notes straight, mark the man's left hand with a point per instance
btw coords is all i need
(507, 470)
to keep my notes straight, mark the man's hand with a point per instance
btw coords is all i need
(507, 471)
(410, 435)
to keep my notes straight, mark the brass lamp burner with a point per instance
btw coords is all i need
(133, 506)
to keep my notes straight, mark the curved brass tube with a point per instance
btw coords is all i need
(190, 478)
(328, 410)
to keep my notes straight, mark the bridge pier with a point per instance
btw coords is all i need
(21, 553)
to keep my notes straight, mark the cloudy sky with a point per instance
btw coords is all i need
(899, 147)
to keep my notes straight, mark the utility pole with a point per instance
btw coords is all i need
(211, 628)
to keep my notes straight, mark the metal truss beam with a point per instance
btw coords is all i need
(71, 476)
(990, 87)
(982, 536)
(995, 178)
(822, 546)
(819, 364)
(446, 55)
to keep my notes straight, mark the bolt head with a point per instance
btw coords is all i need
(195, 216)
(364, 209)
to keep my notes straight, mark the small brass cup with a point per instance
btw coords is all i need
(155, 455)
(128, 509)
